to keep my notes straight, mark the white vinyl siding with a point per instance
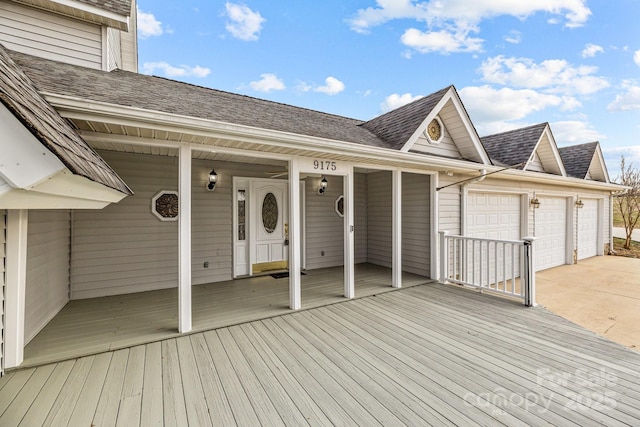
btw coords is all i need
(588, 225)
(445, 148)
(535, 164)
(416, 227)
(360, 217)
(48, 35)
(3, 281)
(551, 231)
(114, 53)
(129, 43)
(449, 204)
(379, 226)
(124, 248)
(325, 228)
(47, 282)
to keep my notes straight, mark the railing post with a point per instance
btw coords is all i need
(529, 274)
(444, 256)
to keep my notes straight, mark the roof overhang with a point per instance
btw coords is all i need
(32, 177)
(598, 167)
(116, 124)
(80, 10)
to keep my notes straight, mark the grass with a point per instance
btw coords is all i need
(634, 252)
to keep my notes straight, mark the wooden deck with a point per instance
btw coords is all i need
(426, 355)
(97, 325)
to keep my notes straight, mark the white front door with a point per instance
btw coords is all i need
(269, 248)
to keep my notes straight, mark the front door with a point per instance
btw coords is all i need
(270, 239)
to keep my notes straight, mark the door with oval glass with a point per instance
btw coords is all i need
(270, 241)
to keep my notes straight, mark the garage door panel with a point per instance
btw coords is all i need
(497, 217)
(551, 231)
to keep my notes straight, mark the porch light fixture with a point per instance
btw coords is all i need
(579, 204)
(323, 185)
(213, 178)
(535, 203)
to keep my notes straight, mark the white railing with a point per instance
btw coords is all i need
(500, 266)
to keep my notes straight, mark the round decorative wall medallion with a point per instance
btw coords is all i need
(434, 130)
(164, 205)
(340, 206)
(269, 213)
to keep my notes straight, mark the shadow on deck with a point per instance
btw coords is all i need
(96, 325)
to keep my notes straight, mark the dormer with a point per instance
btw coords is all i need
(90, 33)
(585, 161)
(436, 124)
(531, 149)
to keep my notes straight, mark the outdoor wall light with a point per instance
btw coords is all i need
(535, 203)
(579, 204)
(323, 185)
(213, 178)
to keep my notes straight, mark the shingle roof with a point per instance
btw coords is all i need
(577, 158)
(397, 126)
(121, 7)
(20, 96)
(513, 147)
(159, 94)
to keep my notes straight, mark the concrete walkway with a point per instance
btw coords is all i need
(601, 294)
(622, 234)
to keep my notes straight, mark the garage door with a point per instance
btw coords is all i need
(588, 229)
(493, 216)
(551, 231)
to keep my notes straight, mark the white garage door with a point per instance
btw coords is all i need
(493, 216)
(588, 229)
(551, 231)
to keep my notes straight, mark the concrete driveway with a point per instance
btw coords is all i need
(601, 294)
(622, 233)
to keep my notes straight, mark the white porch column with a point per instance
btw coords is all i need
(295, 236)
(396, 207)
(16, 259)
(184, 239)
(349, 245)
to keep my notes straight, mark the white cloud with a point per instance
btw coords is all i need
(332, 86)
(552, 75)
(513, 37)
(571, 132)
(244, 23)
(590, 50)
(636, 57)
(169, 70)
(612, 155)
(629, 100)
(395, 100)
(487, 105)
(450, 22)
(267, 83)
(443, 41)
(148, 25)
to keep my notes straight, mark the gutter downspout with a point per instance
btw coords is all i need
(463, 200)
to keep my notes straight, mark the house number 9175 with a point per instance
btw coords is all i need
(324, 165)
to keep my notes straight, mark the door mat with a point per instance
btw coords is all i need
(283, 275)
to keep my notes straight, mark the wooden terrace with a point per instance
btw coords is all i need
(426, 355)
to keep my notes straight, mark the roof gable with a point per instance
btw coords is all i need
(526, 148)
(403, 127)
(585, 161)
(20, 97)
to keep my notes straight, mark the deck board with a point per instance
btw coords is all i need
(425, 355)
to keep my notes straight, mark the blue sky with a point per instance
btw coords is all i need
(572, 63)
